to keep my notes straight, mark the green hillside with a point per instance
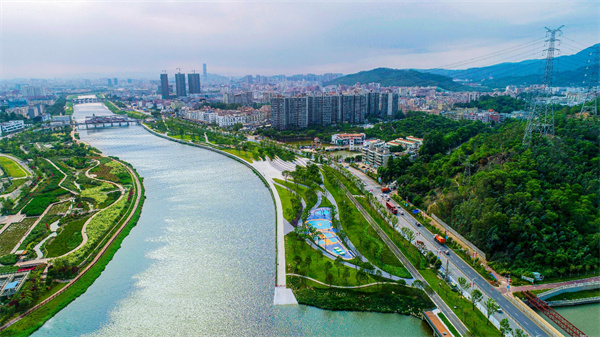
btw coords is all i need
(400, 78)
(530, 208)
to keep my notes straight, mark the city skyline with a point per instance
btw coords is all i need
(273, 38)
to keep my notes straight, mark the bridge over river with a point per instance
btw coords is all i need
(106, 121)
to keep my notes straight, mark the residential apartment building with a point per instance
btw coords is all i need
(194, 83)
(180, 85)
(302, 111)
(376, 153)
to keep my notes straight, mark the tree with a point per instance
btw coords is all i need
(476, 297)
(338, 264)
(463, 284)
(505, 327)
(329, 278)
(520, 333)
(418, 284)
(410, 235)
(491, 307)
(346, 274)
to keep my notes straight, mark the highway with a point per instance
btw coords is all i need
(457, 266)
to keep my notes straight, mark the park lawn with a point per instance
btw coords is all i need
(12, 168)
(11, 236)
(363, 236)
(59, 208)
(16, 183)
(286, 202)
(326, 203)
(246, 155)
(387, 298)
(576, 295)
(474, 320)
(68, 238)
(308, 194)
(295, 246)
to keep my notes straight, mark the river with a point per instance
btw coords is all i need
(201, 260)
(585, 317)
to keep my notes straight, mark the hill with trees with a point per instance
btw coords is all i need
(530, 208)
(418, 124)
(400, 78)
(502, 104)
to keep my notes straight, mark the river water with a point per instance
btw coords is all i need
(585, 317)
(201, 261)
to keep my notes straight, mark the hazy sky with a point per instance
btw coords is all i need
(141, 38)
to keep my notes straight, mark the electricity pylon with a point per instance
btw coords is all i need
(541, 116)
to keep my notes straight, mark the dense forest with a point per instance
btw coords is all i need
(418, 124)
(502, 104)
(530, 208)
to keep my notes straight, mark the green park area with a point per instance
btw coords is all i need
(61, 209)
(373, 293)
(12, 168)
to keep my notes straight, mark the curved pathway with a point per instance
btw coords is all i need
(341, 287)
(84, 228)
(138, 198)
(63, 179)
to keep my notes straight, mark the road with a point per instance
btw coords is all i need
(458, 267)
(462, 329)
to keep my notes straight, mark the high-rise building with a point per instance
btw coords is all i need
(194, 83)
(180, 85)
(389, 104)
(109, 82)
(204, 71)
(164, 86)
(115, 81)
(373, 103)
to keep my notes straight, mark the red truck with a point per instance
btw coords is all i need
(391, 207)
(440, 239)
(385, 189)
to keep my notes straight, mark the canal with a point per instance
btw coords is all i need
(201, 260)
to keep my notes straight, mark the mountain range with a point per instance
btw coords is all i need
(570, 70)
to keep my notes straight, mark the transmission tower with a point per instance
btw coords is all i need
(467, 172)
(593, 86)
(541, 116)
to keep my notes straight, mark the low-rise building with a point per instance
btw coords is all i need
(376, 153)
(12, 126)
(353, 140)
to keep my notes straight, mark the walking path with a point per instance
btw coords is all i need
(35, 224)
(63, 179)
(553, 285)
(341, 287)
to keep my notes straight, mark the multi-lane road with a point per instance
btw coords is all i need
(457, 266)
